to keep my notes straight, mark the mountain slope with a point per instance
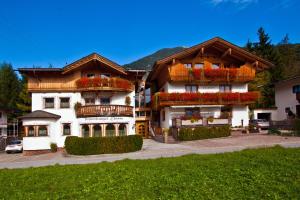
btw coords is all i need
(147, 61)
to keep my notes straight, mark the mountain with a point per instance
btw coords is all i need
(147, 61)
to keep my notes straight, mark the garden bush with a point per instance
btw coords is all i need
(199, 133)
(53, 147)
(296, 127)
(101, 145)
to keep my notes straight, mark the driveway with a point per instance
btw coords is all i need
(152, 149)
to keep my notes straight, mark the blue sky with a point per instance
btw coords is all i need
(58, 32)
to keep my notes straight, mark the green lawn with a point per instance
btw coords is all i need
(272, 173)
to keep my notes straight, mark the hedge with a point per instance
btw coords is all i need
(101, 145)
(199, 133)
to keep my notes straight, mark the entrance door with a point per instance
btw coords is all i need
(142, 129)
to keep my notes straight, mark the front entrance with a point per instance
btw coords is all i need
(142, 128)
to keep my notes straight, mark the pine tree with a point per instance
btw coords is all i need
(9, 87)
(24, 99)
(265, 79)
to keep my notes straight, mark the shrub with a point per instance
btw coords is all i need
(53, 147)
(296, 127)
(201, 132)
(274, 131)
(95, 145)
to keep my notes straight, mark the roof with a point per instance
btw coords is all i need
(214, 41)
(288, 79)
(78, 63)
(93, 56)
(40, 114)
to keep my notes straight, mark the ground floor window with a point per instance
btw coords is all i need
(66, 129)
(42, 131)
(122, 130)
(85, 131)
(30, 131)
(110, 130)
(97, 131)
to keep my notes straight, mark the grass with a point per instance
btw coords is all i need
(271, 173)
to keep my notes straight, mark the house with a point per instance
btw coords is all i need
(3, 123)
(206, 84)
(287, 101)
(91, 97)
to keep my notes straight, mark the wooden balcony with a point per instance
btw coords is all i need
(82, 84)
(208, 75)
(104, 111)
(162, 99)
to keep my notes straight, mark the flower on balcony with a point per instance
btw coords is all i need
(85, 82)
(215, 73)
(232, 73)
(197, 73)
(229, 97)
(249, 96)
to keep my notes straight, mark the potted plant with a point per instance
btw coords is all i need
(77, 105)
(127, 101)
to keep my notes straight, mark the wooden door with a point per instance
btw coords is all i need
(142, 129)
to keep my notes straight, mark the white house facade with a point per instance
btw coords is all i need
(3, 123)
(88, 98)
(205, 85)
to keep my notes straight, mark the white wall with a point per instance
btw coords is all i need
(3, 124)
(240, 113)
(180, 88)
(284, 97)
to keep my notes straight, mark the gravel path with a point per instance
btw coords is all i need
(152, 149)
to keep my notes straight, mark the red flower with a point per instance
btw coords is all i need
(197, 73)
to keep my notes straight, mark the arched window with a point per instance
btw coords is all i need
(30, 131)
(110, 130)
(43, 131)
(97, 131)
(85, 131)
(122, 130)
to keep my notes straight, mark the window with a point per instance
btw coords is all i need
(199, 65)
(97, 131)
(105, 75)
(42, 131)
(191, 88)
(49, 102)
(30, 131)
(122, 130)
(163, 113)
(65, 102)
(192, 112)
(215, 65)
(66, 129)
(85, 131)
(296, 89)
(90, 75)
(188, 65)
(89, 101)
(0, 115)
(105, 100)
(110, 130)
(225, 88)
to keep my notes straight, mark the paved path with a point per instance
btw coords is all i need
(152, 149)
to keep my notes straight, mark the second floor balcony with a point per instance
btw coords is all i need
(82, 84)
(104, 111)
(162, 99)
(207, 75)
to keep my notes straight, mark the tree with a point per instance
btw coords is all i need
(9, 87)
(24, 100)
(265, 79)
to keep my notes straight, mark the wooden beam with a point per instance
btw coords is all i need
(228, 51)
(255, 64)
(201, 52)
(173, 61)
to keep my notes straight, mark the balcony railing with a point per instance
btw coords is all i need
(242, 74)
(104, 110)
(162, 99)
(82, 84)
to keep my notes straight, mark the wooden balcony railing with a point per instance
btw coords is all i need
(82, 84)
(104, 110)
(242, 74)
(162, 99)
